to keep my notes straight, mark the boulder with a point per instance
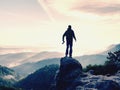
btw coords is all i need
(70, 69)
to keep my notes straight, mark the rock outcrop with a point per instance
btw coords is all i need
(70, 69)
(71, 77)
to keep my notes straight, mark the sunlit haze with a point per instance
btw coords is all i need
(41, 24)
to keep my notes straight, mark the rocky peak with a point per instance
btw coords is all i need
(69, 70)
(71, 77)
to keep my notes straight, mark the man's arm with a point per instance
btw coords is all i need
(63, 38)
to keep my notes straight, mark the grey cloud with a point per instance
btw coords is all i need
(99, 8)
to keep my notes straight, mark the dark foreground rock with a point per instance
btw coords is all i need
(71, 77)
(70, 69)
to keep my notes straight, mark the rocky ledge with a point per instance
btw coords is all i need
(71, 77)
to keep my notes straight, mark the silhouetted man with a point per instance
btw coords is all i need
(69, 33)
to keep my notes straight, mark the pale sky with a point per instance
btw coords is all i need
(41, 23)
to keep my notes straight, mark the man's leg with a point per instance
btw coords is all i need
(67, 47)
(70, 53)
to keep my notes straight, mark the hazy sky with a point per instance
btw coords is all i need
(41, 23)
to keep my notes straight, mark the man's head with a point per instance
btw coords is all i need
(69, 26)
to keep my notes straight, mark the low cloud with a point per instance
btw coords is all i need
(7, 50)
(8, 77)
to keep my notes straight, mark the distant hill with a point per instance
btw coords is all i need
(15, 59)
(7, 76)
(92, 59)
(112, 48)
(99, 58)
(84, 60)
(28, 68)
(39, 80)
